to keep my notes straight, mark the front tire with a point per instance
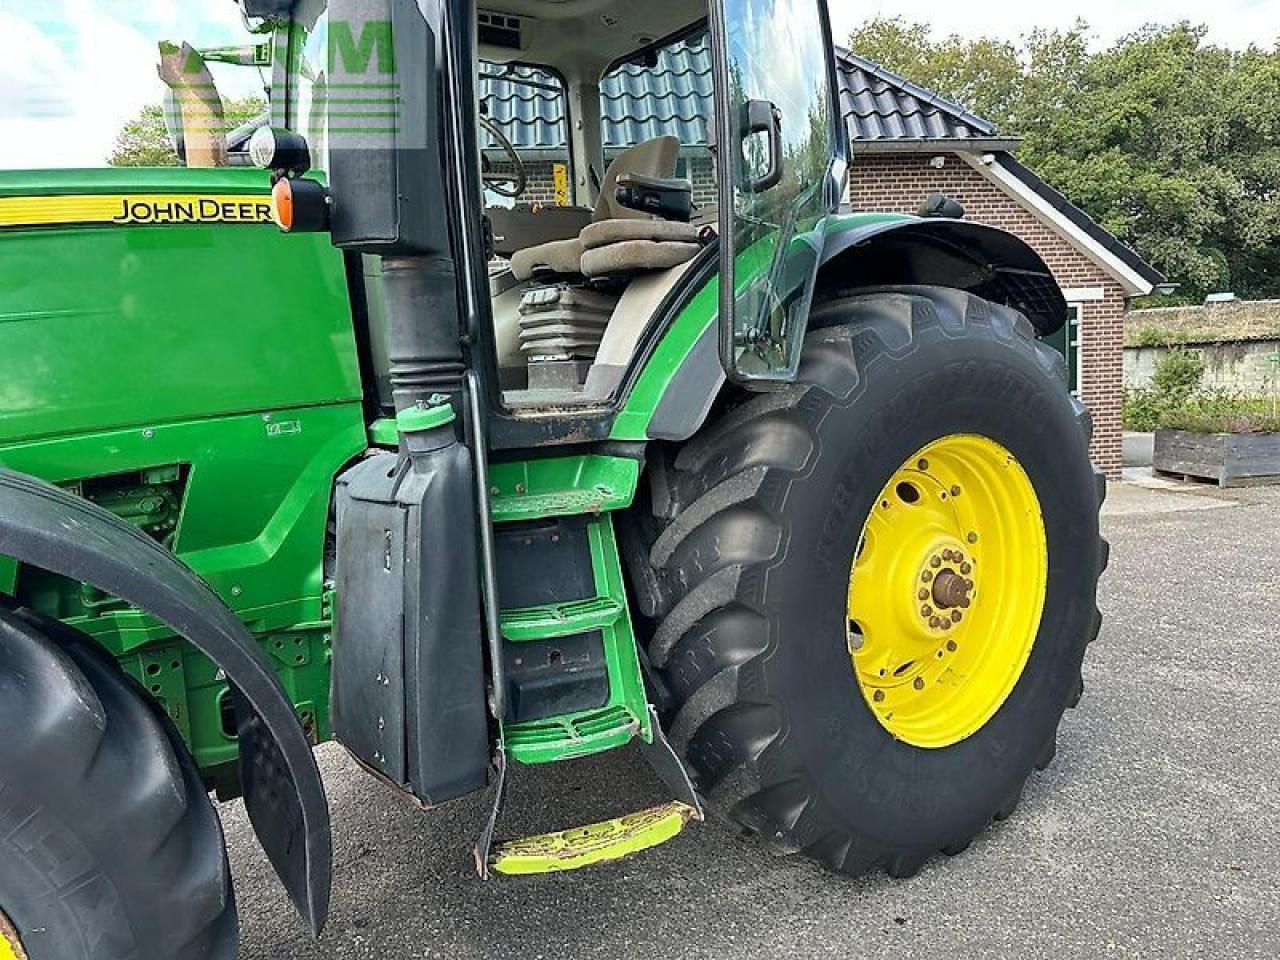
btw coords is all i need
(109, 847)
(749, 575)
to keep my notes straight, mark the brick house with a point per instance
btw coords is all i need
(907, 144)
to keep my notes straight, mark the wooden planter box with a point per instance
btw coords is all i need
(1227, 459)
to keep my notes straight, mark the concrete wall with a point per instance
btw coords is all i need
(1242, 367)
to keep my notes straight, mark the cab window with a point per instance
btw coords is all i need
(526, 106)
(666, 91)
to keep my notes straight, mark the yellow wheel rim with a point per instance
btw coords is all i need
(947, 590)
(10, 947)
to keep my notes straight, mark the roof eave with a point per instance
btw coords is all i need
(938, 145)
(1135, 275)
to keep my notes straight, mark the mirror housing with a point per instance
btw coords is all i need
(273, 10)
(385, 170)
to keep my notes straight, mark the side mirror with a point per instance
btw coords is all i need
(385, 170)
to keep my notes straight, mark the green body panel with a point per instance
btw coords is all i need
(107, 326)
(700, 313)
(200, 380)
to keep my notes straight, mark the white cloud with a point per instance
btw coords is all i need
(72, 74)
(1235, 23)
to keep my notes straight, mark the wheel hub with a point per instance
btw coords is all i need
(937, 645)
(10, 945)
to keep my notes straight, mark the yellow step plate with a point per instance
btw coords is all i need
(597, 843)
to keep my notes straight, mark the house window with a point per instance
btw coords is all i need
(1074, 353)
(1067, 342)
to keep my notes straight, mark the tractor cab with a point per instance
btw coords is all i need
(596, 200)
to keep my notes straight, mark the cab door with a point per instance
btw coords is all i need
(782, 163)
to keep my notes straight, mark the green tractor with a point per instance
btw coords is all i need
(791, 498)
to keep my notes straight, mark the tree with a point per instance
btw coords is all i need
(144, 140)
(1171, 143)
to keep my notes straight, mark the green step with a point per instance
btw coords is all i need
(560, 620)
(574, 735)
(561, 487)
(625, 715)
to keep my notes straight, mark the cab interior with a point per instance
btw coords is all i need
(595, 124)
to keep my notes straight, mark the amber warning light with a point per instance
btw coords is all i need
(300, 206)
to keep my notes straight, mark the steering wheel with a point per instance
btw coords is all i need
(503, 184)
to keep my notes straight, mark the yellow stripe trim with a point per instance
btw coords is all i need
(135, 209)
(598, 843)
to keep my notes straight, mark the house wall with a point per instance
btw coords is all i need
(1241, 367)
(900, 182)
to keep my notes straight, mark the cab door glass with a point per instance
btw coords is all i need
(784, 162)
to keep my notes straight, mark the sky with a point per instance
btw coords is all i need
(73, 71)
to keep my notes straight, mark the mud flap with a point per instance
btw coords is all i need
(47, 527)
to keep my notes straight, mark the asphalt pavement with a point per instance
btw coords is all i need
(1154, 834)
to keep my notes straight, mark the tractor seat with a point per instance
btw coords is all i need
(619, 240)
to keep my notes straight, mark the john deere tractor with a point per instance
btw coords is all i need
(399, 442)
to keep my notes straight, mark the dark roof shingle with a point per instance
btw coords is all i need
(641, 102)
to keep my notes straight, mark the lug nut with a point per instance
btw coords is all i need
(946, 624)
(918, 683)
(924, 594)
(951, 646)
(955, 491)
(956, 616)
(923, 465)
(878, 696)
(935, 562)
(935, 622)
(966, 603)
(926, 576)
(966, 568)
(926, 611)
(972, 538)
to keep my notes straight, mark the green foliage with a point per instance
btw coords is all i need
(1222, 412)
(1150, 337)
(1171, 143)
(144, 140)
(1177, 401)
(1178, 376)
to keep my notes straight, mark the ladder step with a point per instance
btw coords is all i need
(560, 619)
(576, 735)
(598, 843)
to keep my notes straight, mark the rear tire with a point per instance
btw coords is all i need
(109, 846)
(748, 570)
